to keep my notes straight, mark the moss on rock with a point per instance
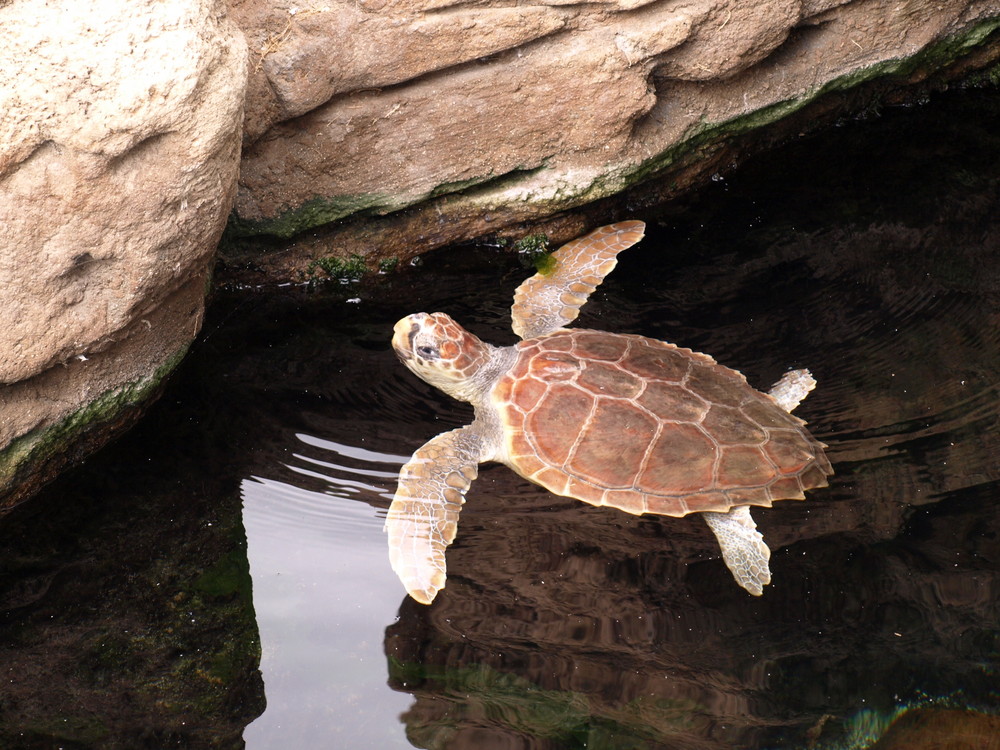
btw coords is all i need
(35, 457)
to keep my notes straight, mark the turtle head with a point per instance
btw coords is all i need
(440, 351)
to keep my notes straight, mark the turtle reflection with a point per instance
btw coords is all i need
(567, 629)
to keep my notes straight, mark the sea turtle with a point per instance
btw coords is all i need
(607, 418)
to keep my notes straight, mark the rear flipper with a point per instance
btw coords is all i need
(792, 388)
(743, 548)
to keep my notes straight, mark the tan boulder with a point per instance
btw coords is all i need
(474, 116)
(119, 144)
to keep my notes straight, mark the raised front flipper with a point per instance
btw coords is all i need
(423, 517)
(552, 298)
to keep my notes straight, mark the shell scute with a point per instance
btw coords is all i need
(561, 341)
(767, 414)
(791, 455)
(524, 393)
(787, 488)
(750, 496)
(587, 491)
(609, 380)
(681, 460)
(524, 456)
(692, 502)
(664, 362)
(816, 474)
(742, 466)
(555, 480)
(555, 423)
(630, 501)
(673, 402)
(612, 445)
(731, 427)
(554, 366)
(719, 385)
(597, 345)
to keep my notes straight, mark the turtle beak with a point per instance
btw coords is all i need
(402, 338)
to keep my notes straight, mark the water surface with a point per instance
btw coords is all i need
(250, 501)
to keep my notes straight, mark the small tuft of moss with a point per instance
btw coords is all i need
(387, 265)
(346, 270)
(228, 577)
(532, 244)
(988, 78)
(534, 253)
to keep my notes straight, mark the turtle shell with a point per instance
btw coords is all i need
(648, 427)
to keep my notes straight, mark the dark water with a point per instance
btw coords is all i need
(870, 254)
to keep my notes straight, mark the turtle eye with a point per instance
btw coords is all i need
(427, 352)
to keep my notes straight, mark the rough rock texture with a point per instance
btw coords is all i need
(360, 109)
(119, 143)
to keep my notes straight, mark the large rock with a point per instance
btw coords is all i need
(119, 147)
(475, 116)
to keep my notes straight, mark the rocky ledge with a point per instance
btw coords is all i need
(384, 129)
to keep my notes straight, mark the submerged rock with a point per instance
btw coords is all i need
(119, 147)
(942, 729)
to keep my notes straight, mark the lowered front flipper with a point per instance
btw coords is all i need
(423, 517)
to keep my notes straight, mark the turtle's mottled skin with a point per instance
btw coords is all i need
(610, 419)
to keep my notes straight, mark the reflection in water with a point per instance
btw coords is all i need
(323, 589)
(566, 626)
(868, 255)
(595, 618)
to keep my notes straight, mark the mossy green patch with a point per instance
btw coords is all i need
(44, 443)
(353, 268)
(219, 600)
(312, 213)
(534, 253)
(320, 210)
(988, 77)
(230, 576)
